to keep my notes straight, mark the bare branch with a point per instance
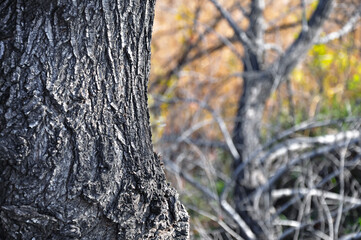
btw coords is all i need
(185, 56)
(304, 225)
(328, 217)
(242, 36)
(212, 196)
(298, 144)
(256, 20)
(290, 223)
(304, 17)
(305, 40)
(310, 124)
(342, 190)
(300, 127)
(348, 27)
(173, 138)
(217, 220)
(227, 43)
(308, 155)
(279, 193)
(230, 211)
(219, 120)
(351, 164)
(351, 236)
(204, 190)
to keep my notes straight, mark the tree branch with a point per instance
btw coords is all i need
(348, 27)
(227, 208)
(241, 35)
(284, 134)
(303, 43)
(304, 225)
(299, 144)
(279, 193)
(282, 170)
(256, 27)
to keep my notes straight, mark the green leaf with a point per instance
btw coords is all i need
(219, 186)
(333, 181)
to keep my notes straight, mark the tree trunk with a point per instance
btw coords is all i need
(259, 82)
(247, 141)
(249, 118)
(75, 145)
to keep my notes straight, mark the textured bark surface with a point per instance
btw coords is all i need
(76, 156)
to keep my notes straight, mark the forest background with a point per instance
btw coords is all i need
(311, 121)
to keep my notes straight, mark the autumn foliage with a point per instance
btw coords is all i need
(197, 78)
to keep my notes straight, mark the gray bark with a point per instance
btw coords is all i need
(75, 145)
(259, 82)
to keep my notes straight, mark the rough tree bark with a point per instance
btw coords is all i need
(76, 156)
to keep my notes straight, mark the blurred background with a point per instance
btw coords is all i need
(255, 111)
